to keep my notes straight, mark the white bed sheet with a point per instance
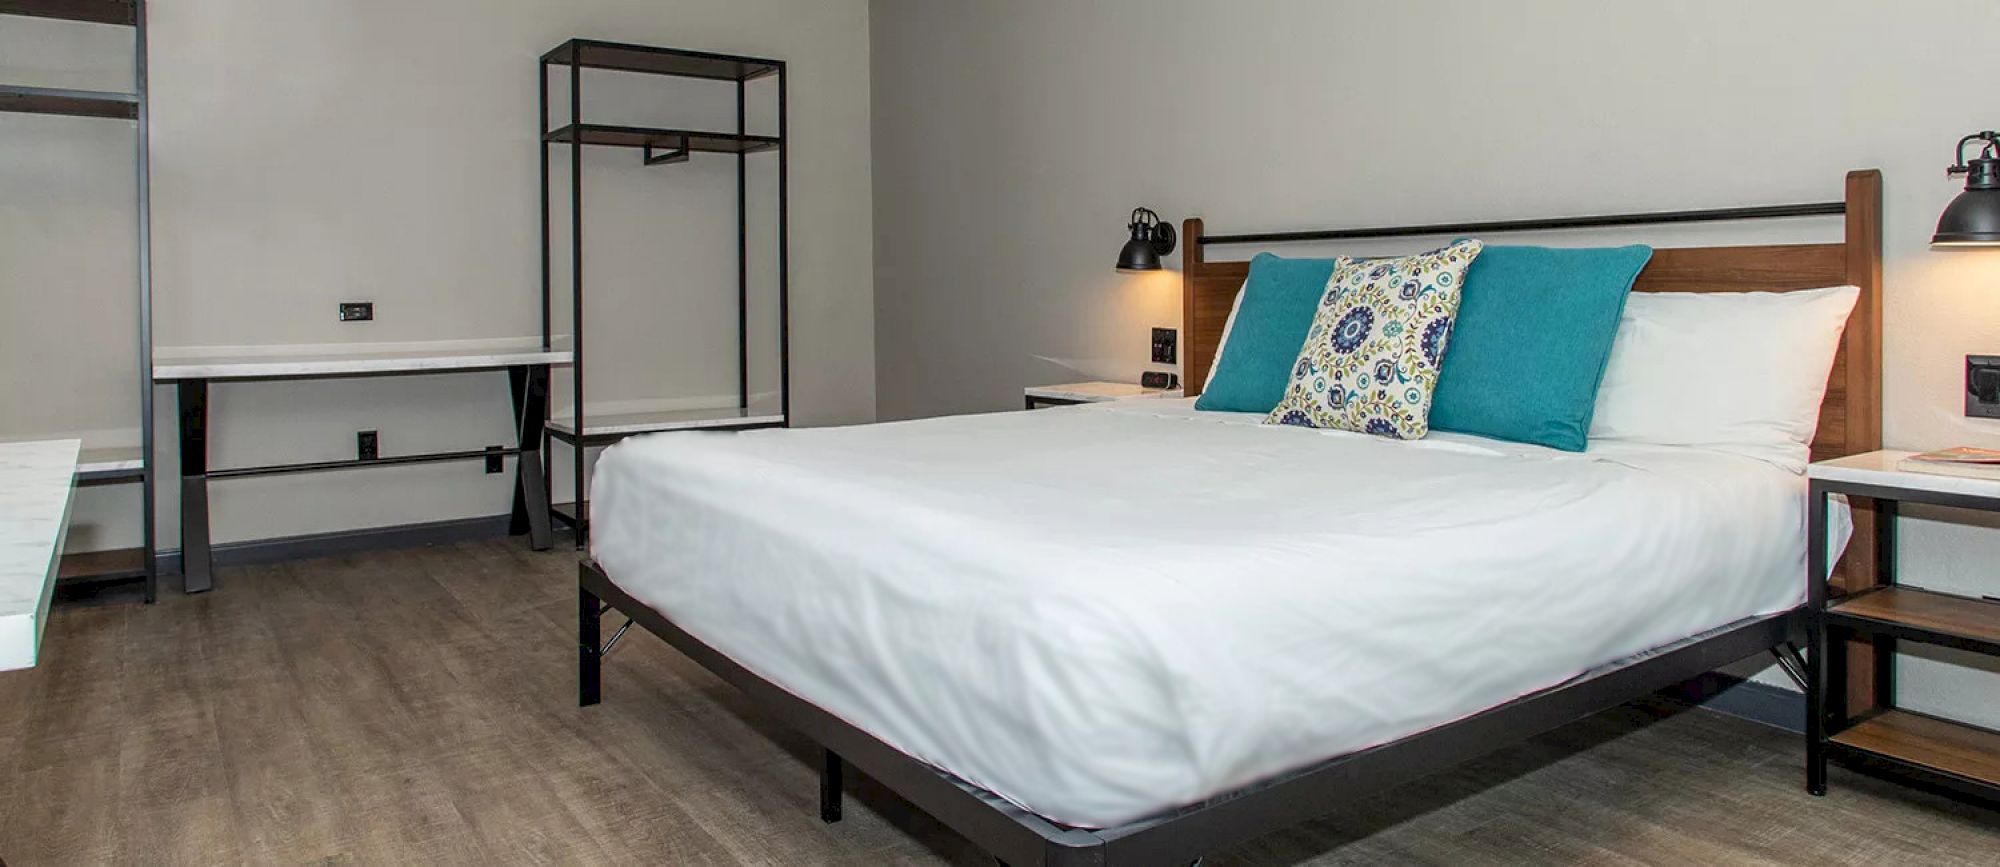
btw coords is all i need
(1102, 612)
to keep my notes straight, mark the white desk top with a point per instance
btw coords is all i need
(34, 514)
(331, 364)
(1879, 468)
(1093, 392)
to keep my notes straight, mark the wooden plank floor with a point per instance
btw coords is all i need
(418, 707)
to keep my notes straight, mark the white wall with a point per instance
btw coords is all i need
(1011, 139)
(306, 153)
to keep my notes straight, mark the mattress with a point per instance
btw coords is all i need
(1103, 612)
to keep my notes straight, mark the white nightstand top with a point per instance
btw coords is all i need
(1094, 392)
(1879, 468)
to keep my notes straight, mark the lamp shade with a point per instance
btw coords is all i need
(1138, 255)
(1973, 218)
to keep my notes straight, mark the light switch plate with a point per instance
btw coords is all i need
(1982, 386)
(1166, 346)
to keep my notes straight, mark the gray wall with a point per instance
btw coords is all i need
(311, 152)
(1011, 138)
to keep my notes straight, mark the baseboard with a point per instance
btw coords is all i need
(346, 542)
(1773, 706)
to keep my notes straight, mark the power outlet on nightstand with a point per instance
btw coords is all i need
(1166, 346)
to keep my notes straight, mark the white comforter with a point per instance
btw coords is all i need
(1102, 612)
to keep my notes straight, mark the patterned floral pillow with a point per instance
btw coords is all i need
(1371, 359)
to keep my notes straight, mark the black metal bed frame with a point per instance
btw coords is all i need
(1015, 836)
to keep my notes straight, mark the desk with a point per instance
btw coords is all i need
(34, 514)
(528, 378)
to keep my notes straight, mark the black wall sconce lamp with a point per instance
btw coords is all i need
(1151, 239)
(1973, 219)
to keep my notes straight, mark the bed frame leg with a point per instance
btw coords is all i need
(589, 658)
(829, 787)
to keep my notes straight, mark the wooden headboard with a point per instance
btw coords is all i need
(1850, 417)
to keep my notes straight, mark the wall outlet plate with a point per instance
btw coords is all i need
(1982, 386)
(1166, 346)
(367, 445)
(357, 311)
(493, 461)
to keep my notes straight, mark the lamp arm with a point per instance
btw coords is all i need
(1992, 140)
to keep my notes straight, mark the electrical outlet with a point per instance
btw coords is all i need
(493, 461)
(357, 311)
(367, 445)
(1982, 386)
(1166, 346)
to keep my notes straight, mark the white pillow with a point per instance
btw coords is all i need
(1227, 326)
(1741, 372)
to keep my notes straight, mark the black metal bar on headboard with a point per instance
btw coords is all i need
(1717, 215)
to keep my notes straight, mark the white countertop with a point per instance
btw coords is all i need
(34, 514)
(170, 368)
(1093, 392)
(1879, 468)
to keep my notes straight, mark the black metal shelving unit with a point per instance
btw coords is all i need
(110, 466)
(659, 146)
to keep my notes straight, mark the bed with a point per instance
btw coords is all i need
(1101, 634)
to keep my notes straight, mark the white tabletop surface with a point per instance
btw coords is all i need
(1879, 468)
(1092, 392)
(332, 364)
(34, 514)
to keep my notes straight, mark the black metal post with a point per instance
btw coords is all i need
(1816, 639)
(829, 786)
(195, 562)
(1884, 645)
(589, 659)
(148, 480)
(784, 258)
(742, 260)
(542, 145)
(576, 290)
(530, 390)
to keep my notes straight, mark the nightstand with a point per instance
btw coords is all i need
(1038, 396)
(1858, 722)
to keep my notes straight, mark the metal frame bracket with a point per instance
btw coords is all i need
(678, 155)
(1792, 662)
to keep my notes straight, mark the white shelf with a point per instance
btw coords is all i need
(627, 424)
(35, 486)
(109, 462)
(1098, 392)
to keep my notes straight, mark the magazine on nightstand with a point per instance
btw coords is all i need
(1963, 461)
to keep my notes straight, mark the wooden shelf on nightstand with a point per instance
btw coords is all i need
(1939, 746)
(1922, 615)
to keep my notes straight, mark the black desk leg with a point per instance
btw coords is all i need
(195, 562)
(1816, 640)
(530, 384)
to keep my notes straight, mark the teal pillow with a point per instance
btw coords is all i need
(1279, 300)
(1534, 332)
